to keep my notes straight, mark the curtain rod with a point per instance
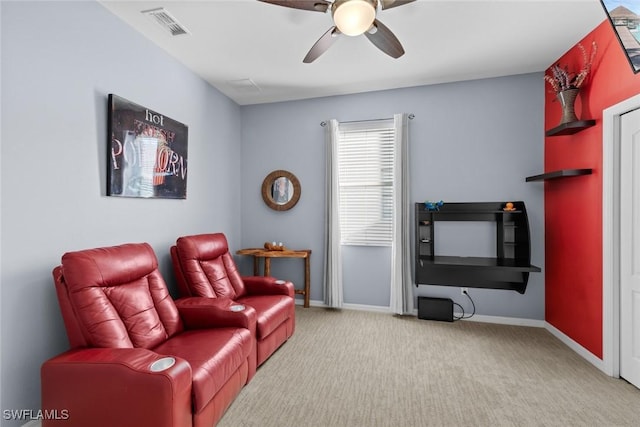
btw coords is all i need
(411, 117)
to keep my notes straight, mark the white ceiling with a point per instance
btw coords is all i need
(445, 41)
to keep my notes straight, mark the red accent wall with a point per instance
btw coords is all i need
(573, 206)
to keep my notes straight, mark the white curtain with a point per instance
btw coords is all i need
(401, 283)
(333, 252)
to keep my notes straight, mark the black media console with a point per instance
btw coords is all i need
(509, 269)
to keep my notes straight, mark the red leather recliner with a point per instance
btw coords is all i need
(204, 267)
(120, 319)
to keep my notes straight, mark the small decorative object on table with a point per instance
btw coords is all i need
(433, 206)
(274, 246)
(566, 84)
(508, 207)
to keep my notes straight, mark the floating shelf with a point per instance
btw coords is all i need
(559, 174)
(484, 262)
(570, 128)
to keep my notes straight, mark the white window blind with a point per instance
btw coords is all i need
(365, 167)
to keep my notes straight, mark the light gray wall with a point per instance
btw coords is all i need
(470, 141)
(59, 62)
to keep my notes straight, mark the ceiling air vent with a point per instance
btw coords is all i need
(167, 21)
(244, 86)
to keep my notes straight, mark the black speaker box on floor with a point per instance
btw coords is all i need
(435, 309)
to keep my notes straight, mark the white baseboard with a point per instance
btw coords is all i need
(573, 345)
(312, 303)
(513, 321)
(359, 307)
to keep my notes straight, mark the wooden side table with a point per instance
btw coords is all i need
(258, 253)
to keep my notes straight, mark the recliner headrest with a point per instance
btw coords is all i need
(202, 246)
(109, 266)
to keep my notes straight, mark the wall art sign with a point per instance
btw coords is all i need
(147, 152)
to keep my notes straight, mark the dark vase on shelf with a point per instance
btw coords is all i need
(567, 100)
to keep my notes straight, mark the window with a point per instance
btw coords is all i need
(365, 168)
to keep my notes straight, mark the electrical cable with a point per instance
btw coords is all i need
(472, 303)
(463, 316)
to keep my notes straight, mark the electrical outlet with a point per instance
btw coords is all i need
(464, 291)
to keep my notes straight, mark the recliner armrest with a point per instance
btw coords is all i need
(265, 285)
(105, 387)
(200, 312)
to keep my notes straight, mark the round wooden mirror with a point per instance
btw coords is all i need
(281, 190)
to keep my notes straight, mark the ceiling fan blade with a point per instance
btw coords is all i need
(312, 5)
(384, 39)
(388, 4)
(322, 45)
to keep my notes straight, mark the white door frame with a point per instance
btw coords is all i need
(611, 233)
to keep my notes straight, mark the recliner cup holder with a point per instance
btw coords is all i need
(237, 307)
(162, 364)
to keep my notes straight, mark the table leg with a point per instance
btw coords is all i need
(256, 266)
(267, 266)
(307, 281)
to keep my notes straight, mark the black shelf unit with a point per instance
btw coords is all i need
(563, 173)
(509, 269)
(570, 128)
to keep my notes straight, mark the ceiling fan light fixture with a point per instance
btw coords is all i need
(354, 17)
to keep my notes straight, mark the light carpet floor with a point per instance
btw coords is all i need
(354, 368)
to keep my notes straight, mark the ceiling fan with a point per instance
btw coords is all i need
(352, 18)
